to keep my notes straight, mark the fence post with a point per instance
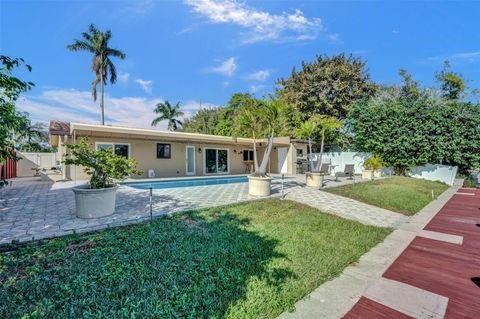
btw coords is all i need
(151, 204)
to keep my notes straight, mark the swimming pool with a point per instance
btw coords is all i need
(173, 183)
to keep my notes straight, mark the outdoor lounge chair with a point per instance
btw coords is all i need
(325, 169)
(349, 172)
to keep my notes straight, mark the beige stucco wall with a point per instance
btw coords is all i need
(144, 152)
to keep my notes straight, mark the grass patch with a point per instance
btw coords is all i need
(404, 195)
(252, 260)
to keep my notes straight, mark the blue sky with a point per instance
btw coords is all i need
(199, 52)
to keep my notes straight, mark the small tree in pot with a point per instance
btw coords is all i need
(372, 167)
(97, 198)
(260, 119)
(317, 126)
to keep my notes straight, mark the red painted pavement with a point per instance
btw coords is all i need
(442, 268)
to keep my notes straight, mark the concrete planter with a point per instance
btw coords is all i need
(314, 180)
(370, 174)
(259, 186)
(94, 203)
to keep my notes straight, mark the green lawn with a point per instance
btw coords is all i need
(252, 260)
(405, 195)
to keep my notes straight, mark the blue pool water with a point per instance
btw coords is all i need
(172, 183)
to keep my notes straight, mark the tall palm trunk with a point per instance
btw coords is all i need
(255, 161)
(101, 97)
(266, 156)
(309, 155)
(319, 164)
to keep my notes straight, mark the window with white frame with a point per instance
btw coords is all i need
(121, 149)
(247, 155)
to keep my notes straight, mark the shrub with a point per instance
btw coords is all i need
(103, 165)
(373, 163)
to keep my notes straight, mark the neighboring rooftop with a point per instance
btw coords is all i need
(59, 127)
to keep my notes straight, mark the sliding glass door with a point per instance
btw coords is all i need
(190, 160)
(216, 161)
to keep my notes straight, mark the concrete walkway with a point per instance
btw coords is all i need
(335, 298)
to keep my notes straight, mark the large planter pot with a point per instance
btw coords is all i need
(314, 180)
(367, 174)
(259, 186)
(370, 174)
(94, 203)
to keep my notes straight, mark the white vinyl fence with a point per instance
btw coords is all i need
(29, 161)
(432, 172)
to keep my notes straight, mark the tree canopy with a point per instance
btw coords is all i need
(408, 126)
(97, 43)
(327, 86)
(11, 120)
(168, 112)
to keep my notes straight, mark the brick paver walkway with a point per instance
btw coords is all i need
(34, 209)
(347, 208)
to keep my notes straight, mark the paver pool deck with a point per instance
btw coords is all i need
(32, 209)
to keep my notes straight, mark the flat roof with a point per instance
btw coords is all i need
(82, 128)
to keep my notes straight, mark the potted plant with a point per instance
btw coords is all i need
(97, 198)
(260, 118)
(323, 125)
(372, 168)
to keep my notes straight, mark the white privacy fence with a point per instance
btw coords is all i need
(29, 161)
(442, 173)
(433, 172)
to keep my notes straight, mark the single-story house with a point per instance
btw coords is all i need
(176, 154)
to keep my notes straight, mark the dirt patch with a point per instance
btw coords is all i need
(82, 246)
(190, 222)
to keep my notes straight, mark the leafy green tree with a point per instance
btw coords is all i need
(306, 131)
(169, 113)
(103, 165)
(259, 119)
(452, 84)
(33, 137)
(205, 121)
(11, 120)
(325, 126)
(327, 86)
(410, 126)
(96, 42)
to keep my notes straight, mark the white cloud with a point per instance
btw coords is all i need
(123, 77)
(261, 25)
(260, 75)
(465, 57)
(395, 31)
(335, 37)
(257, 88)
(145, 84)
(189, 108)
(226, 67)
(140, 7)
(78, 106)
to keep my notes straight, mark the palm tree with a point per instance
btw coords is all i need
(306, 130)
(96, 42)
(167, 112)
(326, 125)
